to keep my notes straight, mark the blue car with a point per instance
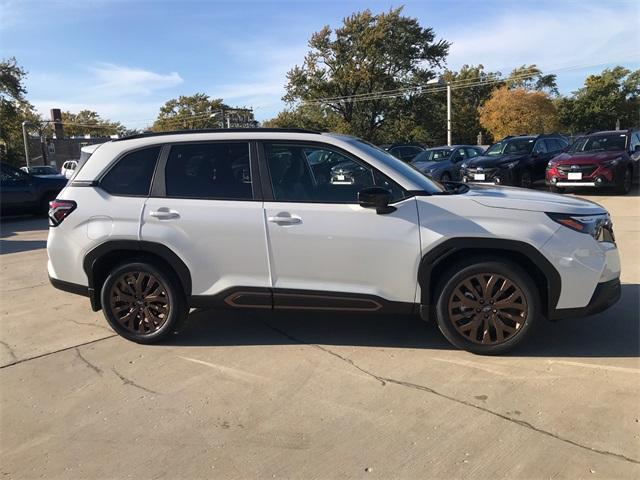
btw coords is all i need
(443, 163)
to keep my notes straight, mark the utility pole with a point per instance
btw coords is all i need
(26, 141)
(449, 113)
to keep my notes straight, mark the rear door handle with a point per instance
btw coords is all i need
(284, 219)
(164, 214)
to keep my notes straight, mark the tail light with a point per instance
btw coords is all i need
(59, 210)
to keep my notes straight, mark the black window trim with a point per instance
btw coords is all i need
(115, 162)
(159, 186)
(265, 174)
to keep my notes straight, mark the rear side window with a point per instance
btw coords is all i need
(132, 174)
(209, 171)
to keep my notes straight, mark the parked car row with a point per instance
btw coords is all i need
(600, 159)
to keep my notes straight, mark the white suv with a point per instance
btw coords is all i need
(291, 219)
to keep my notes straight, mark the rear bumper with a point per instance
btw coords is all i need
(605, 295)
(77, 290)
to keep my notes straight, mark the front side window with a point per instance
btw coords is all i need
(297, 176)
(12, 176)
(132, 174)
(540, 147)
(210, 171)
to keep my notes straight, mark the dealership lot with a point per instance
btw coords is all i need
(246, 394)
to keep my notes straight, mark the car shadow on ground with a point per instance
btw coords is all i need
(614, 333)
(11, 226)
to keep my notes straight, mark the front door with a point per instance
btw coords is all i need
(326, 251)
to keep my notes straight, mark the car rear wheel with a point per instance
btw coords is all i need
(143, 302)
(487, 307)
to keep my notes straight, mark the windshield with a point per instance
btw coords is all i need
(405, 169)
(433, 155)
(510, 147)
(600, 143)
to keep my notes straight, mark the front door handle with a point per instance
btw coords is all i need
(285, 219)
(164, 214)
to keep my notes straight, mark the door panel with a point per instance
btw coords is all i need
(344, 248)
(222, 242)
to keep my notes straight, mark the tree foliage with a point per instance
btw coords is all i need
(87, 122)
(518, 111)
(612, 95)
(367, 54)
(531, 78)
(189, 113)
(14, 109)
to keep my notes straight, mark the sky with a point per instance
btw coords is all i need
(124, 59)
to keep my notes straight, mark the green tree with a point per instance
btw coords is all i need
(604, 99)
(531, 78)
(368, 54)
(14, 109)
(518, 111)
(189, 113)
(87, 122)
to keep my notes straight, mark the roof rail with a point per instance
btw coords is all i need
(217, 130)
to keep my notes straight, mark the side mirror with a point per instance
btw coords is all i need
(376, 197)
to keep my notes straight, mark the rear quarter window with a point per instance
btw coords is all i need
(132, 175)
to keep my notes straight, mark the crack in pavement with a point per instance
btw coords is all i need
(11, 352)
(126, 381)
(93, 367)
(90, 324)
(384, 380)
(35, 357)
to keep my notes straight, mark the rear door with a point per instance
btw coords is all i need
(18, 191)
(205, 206)
(325, 249)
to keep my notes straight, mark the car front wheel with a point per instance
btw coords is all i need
(487, 307)
(624, 184)
(142, 302)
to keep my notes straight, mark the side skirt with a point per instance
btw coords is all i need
(291, 299)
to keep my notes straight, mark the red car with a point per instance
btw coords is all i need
(601, 159)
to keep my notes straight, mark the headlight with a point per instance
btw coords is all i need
(598, 226)
(463, 166)
(612, 163)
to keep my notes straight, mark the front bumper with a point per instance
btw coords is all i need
(489, 176)
(605, 295)
(591, 175)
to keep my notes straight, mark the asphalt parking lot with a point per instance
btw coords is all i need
(245, 395)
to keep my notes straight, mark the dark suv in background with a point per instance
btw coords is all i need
(25, 193)
(443, 163)
(600, 159)
(516, 160)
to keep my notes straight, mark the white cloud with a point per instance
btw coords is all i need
(576, 34)
(118, 80)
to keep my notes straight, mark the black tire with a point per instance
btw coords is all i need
(554, 189)
(624, 184)
(526, 179)
(486, 321)
(140, 326)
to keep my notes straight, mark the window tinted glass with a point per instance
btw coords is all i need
(11, 175)
(132, 174)
(472, 152)
(297, 176)
(209, 170)
(540, 147)
(599, 143)
(635, 141)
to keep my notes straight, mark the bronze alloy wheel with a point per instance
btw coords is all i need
(487, 308)
(139, 302)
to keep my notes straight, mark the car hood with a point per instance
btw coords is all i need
(579, 158)
(533, 200)
(487, 161)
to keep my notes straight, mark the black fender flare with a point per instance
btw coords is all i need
(157, 249)
(476, 245)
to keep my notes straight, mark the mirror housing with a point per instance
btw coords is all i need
(376, 197)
